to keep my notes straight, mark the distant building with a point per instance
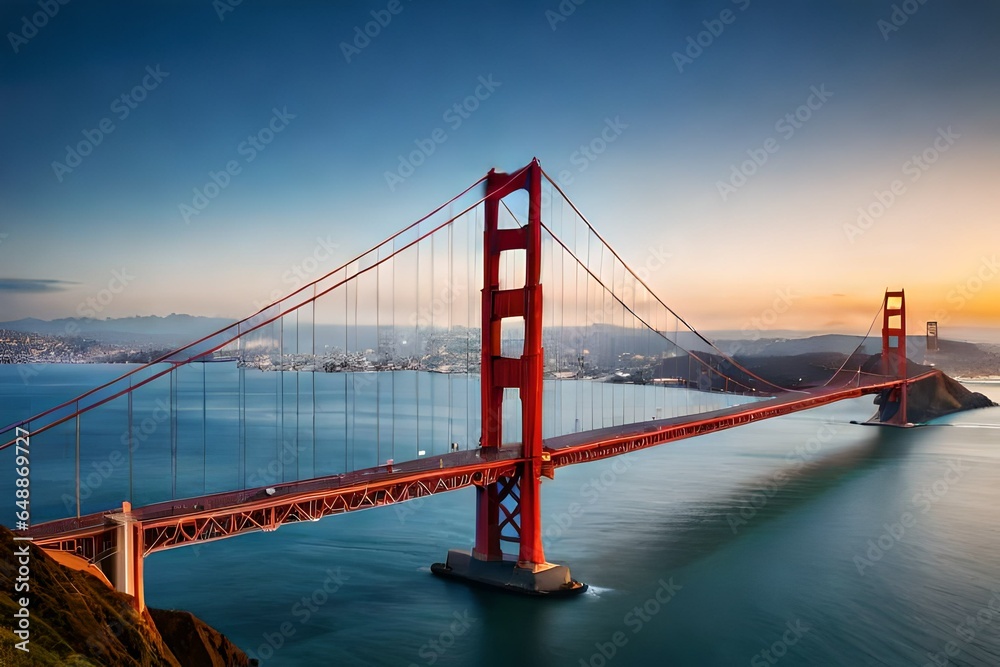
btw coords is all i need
(932, 337)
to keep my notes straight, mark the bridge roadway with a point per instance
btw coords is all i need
(178, 523)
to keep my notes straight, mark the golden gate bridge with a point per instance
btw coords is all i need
(392, 378)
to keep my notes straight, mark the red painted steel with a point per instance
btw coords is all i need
(183, 522)
(616, 440)
(524, 373)
(894, 349)
(226, 514)
(507, 477)
(498, 471)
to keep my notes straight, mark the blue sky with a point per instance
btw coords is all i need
(889, 91)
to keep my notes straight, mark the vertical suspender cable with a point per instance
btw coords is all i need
(279, 399)
(173, 433)
(313, 374)
(448, 300)
(241, 407)
(78, 460)
(417, 341)
(347, 370)
(298, 378)
(357, 344)
(378, 351)
(392, 319)
(131, 444)
(204, 428)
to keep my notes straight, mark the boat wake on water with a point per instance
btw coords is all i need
(597, 591)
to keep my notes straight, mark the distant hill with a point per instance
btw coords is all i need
(845, 344)
(954, 357)
(170, 331)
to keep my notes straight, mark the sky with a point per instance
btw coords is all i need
(790, 156)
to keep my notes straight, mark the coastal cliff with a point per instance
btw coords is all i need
(933, 396)
(76, 619)
(941, 395)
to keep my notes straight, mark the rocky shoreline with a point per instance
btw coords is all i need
(76, 619)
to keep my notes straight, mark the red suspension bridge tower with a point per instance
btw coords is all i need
(510, 508)
(893, 402)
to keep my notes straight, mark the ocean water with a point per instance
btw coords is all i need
(210, 428)
(802, 540)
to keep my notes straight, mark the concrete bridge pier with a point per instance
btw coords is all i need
(125, 567)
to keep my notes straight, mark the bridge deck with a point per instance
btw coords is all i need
(178, 522)
(612, 441)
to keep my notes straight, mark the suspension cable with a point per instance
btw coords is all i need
(661, 302)
(626, 306)
(240, 334)
(851, 355)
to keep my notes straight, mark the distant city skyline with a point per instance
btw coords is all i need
(206, 158)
